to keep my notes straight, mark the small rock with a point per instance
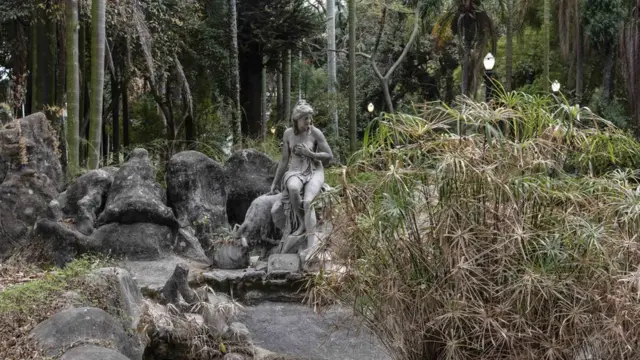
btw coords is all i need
(284, 263)
(239, 332)
(262, 266)
(230, 256)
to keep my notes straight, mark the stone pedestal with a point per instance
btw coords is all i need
(284, 263)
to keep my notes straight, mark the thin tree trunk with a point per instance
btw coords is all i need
(547, 39)
(279, 89)
(263, 103)
(97, 81)
(235, 74)
(115, 94)
(509, 60)
(73, 90)
(125, 114)
(353, 141)
(579, 55)
(331, 63)
(607, 76)
(286, 100)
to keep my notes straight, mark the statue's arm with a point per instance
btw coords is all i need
(323, 152)
(284, 161)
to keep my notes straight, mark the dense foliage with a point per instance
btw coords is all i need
(503, 231)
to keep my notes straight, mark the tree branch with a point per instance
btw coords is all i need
(412, 39)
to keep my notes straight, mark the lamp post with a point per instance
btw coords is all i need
(555, 87)
(370, 108)
(273, 131)
(489, 62)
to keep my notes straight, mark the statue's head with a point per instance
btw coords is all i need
(301, 117)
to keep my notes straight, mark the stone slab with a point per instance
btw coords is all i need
(281, 263)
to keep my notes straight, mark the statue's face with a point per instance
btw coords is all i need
(304, 122)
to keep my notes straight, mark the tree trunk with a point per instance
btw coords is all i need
(509, 60)
(115, 95)
(579, 55)
(19, 70)
(286, 100)
(250, 92)
(607, 76)
(235, 74)
(353, 141)
(73, 90)
(263, 103)
(547, 39)
(466, 71)
(125, 114)
(97, 81)
(279, 90)
(331, 63)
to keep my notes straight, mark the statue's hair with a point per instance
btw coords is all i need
(301, 109)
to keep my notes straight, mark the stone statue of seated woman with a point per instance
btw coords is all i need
(301, 174)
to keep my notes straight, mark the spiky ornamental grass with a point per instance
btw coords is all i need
(501, 231)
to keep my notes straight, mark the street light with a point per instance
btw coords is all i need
(489, 62)
(273, 130)
(555, 86)
(370, 107)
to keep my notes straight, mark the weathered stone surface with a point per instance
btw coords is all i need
(233, 356)
(84, 325)
(137, 241)
(135, 196)
(129, 297)
(258, 228)
(249, 174)
(84, 199)
(230, 255)
(196, 191)
(63, 239)
(30, 143)
(92, 352)
(188, 246)
(23, 199)
(233, 275)
(284, 263)
(239, 332)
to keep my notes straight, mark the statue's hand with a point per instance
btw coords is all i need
(302, 150)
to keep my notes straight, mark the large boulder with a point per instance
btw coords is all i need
(249, 174)
(137, 241)
(196, 191)
(85, 198)
(85, 352)
(23, 199)
(85, 325)
(31, 143)
(135, 196)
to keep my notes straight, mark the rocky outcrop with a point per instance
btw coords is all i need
(31, 177)
(23, 199)
(196, 192)
(30, 143)
(135, 196)
(249, 174)
(85, 325)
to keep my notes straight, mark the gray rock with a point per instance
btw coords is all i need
(84, 199)
(188, 246)
(239, 332)
(280, 263)
(84, 325)
(196, 191)
(137, 241)
(249, 174)
(233, 275)
(258, 228)
(63, 239)
(92, 352)
(230, 256)
(135, 196)
(130, 299)
(23, 199)
(34, 137)
(233, 356)
(296, 330)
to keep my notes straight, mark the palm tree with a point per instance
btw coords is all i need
(471, 24)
